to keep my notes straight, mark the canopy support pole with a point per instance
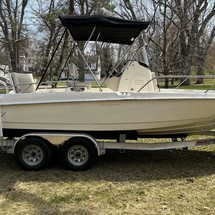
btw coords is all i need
(72, 49)
(82, 56)
(51, 58)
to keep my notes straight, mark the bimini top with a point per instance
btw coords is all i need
(104, 28)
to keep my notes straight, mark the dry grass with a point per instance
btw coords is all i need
(165, 182)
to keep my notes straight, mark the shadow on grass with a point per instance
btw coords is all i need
(11, 176)
(132, 166)
(128, 166)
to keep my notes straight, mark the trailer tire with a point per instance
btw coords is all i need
(78, 154)
(33, 153)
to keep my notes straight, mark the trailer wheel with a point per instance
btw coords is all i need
(33, 153)
(78, 154)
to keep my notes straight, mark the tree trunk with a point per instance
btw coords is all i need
(200, 65)
(166, 84)
(81, 63)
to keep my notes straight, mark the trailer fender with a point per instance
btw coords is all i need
(58, 139)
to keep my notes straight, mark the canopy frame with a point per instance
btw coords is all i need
(98, 28)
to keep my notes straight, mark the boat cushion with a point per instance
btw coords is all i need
(23, 83)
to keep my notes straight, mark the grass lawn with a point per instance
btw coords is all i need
(136, 182)
(208, 83)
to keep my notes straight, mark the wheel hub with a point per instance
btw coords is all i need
(32, 155)
(78, 155)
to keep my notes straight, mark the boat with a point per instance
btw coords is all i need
(131, 103)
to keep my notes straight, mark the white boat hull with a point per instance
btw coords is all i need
(144, 113)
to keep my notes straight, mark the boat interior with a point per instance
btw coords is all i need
(131, 78)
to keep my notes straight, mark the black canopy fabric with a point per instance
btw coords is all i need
(104, 28)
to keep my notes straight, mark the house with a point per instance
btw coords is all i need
(25, 61)
(94, 63)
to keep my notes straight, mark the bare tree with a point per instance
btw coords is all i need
(179, 32)
(50, 30)
(193, 19)
(162, 36)
(13, 29)
(204, 43)
(164, 41)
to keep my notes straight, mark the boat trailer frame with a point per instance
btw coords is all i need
(78, 151)
(8, 145)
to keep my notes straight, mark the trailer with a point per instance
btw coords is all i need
(77, 151)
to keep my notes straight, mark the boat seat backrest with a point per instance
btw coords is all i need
(23, 83)
(73, 71)
(134, 77)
